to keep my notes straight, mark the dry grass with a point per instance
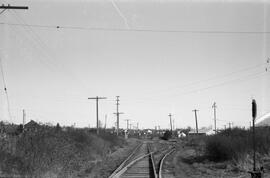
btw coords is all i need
(51, 152)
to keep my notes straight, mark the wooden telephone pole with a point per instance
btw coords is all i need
(105, 125)
(97, 99)
(117, 114)
(170, 115)
(215, 119)
(127, 123)
(24, 117)
(195, 111)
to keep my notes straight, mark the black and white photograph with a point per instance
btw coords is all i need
(134, 88)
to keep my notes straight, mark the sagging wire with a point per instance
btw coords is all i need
(5, 88)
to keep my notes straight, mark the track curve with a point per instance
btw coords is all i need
(139, 164)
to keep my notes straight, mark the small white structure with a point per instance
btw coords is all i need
(181, 134)
(149, 131)
(210, 132)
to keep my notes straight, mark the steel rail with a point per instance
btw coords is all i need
(125, 161)
(143, 154)
(152, 161)
(124, 169)
(162, 160)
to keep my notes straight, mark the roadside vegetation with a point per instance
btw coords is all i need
(48, 151)
(236, 144)
(229, 153)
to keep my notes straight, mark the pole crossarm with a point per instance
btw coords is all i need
(118, 113)
(13, 7)
(97, 97)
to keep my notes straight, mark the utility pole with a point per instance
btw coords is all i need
(24, 116)
(117, 114)
(195, 111)
(256, 172)
(170, 115)
(97, 99)
(105, 121)
(215, 117)
(127, 123)
(230, 125)
(254, 114)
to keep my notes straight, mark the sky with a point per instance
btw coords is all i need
(159, 56)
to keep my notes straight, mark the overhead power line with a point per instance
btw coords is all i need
(3, 11)
(5, 88)
(135, 29)
(41, 46)
(248, 77)
(217, 77)
(120, 14)
(237, 81)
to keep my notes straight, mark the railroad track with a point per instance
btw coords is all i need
(165, 168)
(141, 163)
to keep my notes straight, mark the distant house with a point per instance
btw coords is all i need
(210, 132)
(203, 131)
(193, 133)
(180, 134)
(31, 126)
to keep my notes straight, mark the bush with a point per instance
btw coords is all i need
(167, 135)
(236, 143)
(53, 151)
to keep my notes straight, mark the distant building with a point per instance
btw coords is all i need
(193, 133)
(210, 132)
(31, 126)
(180, 134)
(202, 131)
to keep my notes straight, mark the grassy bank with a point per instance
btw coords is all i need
(54, 152)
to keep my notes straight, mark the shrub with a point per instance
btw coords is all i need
(51, 150)
(236, 143)
(167, 135)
